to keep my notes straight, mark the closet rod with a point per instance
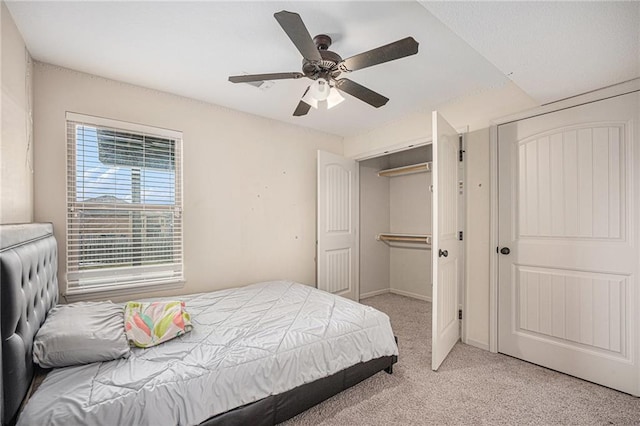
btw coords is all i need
(405, 170)
(406, 238)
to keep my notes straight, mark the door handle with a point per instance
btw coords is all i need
(505, 250)
(443, 253)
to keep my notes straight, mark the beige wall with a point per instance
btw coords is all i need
(374, 219)
(249, 182)
(475, 111)
(411, 214)
(16, 157)
(477, 249)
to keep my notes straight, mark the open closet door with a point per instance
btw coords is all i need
(338, 218)
(445, 245)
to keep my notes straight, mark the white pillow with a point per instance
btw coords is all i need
(81, 333)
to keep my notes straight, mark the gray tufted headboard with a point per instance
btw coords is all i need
(28, 290)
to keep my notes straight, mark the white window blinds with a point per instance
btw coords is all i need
(124, 205)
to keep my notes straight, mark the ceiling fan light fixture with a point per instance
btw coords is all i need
(320, 90)
(310, 100)
(334, 98)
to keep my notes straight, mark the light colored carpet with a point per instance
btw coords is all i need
(471, 387)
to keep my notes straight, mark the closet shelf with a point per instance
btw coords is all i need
(405, 238)
(406, 170)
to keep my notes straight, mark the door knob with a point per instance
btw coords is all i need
(443, 253)
(505, 250)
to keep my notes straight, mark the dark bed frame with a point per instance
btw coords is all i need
(29, 289)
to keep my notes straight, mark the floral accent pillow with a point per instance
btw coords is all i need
(149, 324)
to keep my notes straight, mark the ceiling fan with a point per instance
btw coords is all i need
(324, 66)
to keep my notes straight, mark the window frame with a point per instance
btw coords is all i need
(130, 285)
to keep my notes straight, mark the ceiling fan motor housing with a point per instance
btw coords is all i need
(328, 67)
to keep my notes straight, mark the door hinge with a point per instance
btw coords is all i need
(461, 151)
(460, 314)
(460, 235)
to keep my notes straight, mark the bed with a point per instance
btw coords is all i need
(259, 354)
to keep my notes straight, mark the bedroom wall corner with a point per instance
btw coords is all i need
(249, 182)
(16, 155)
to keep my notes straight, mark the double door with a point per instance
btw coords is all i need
(338, 226)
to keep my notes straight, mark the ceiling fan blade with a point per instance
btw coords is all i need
(366, 95)
(292, 24)
(264, 77)
(303, 107)
(389, 52)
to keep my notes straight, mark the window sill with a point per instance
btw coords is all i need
(103, 292)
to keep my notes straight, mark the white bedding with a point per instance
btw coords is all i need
(246, 344)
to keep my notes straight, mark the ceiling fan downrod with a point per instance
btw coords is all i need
(322, 41)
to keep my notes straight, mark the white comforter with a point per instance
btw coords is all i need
(246, 344)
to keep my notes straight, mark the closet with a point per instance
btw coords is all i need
(395, 224)
(392, 223)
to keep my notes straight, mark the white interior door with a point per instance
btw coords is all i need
(568, 232)
(445, 245)
(338, 218)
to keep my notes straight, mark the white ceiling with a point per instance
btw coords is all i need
(190, 48)
(551, 50)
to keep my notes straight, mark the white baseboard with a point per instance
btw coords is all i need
(409, 294)
(477, 344)
(374, 293)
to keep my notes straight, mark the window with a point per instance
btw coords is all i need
(124, 205)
